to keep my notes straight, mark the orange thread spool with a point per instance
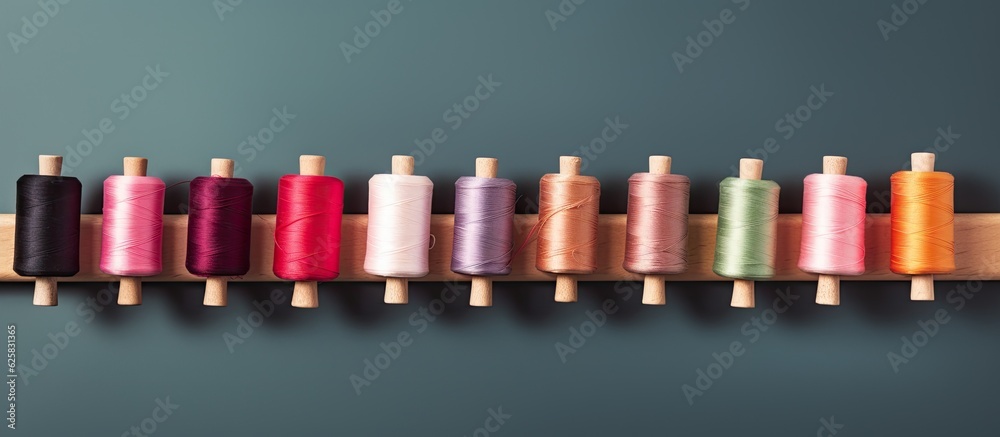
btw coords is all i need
(923, 224)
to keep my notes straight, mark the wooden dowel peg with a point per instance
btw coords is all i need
(46, 288)
(922, 286)
(130, 287)
(654, 288)
(481, 294)
(397, 289)
(743, 290)
(216, 288)
(828, 286)
(566, 289)
(305, 294)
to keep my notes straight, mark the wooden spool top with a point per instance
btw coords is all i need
(751, 169)
(659, 164)
(312, 165)
(835, 165)
(50, 165)
(223, 168)
(402, 164)
(135, 166)
(570, 165)
(922, 162)
(486, 167)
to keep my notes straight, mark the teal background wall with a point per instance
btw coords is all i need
(225, 70)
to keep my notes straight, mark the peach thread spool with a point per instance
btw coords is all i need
(568, 215)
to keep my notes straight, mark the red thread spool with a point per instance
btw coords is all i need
(307, 229)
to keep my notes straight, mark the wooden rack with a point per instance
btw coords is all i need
(976, 237)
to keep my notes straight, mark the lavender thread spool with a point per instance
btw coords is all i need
(484, 229)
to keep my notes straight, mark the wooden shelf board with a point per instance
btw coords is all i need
(976, 237)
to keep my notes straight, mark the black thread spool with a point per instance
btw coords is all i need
(47, 228)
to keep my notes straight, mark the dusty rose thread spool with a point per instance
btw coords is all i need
(833, 227)
(657, 227)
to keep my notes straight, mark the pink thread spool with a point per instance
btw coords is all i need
(132, 229)
(833, 227)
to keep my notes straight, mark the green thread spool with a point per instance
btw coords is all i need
(746, 240)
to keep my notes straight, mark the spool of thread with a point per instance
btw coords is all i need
(656, 227)
(47, 228)
(923, 225)
(399, 227)
(132, 229)
(218, 240)
(484, 229)
(568, 212)
(307, 229)
(746, 240)
(833, 227)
